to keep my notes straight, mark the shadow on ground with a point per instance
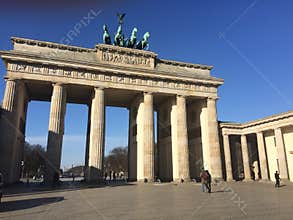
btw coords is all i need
(22, 189)
(27, 203)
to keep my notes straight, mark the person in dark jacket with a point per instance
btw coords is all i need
(209, 181)
(1, 185)
(277, 177)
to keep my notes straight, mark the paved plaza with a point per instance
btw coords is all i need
(237, 200)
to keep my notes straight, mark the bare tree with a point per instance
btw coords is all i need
(117, 160)
(33, 159)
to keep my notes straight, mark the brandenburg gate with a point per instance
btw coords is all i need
(184, 96)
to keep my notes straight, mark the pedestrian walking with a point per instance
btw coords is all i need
(277, 177)
(105, 176)
(114, 177)
(203, 179)
(1, 185)
(209, 181)
(111, 175)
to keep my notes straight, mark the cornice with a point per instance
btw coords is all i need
(49, 45)
(272, 118)
(124, 50)
(183, 64)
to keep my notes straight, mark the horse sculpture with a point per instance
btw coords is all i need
(119, 38)
(106, 36)
(143, 44)
(130, 43)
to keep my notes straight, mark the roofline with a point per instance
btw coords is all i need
(258, 121)
(184, 64)
(50, 44)
(60, 46)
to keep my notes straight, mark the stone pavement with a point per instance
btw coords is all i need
(251, 200)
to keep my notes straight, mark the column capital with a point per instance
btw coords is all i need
(13, 79)
(59, 84)
(7, 78)
(94, 90)
(278, 129)
(181, 96)
(99, 88)
(212, 98)
(148, 93)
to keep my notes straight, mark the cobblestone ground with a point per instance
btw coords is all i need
(252, 200)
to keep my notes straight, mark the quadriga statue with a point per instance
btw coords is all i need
(130, 43)
(143, 44)
(106, 35)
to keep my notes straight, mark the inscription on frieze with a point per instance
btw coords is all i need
(117, 58)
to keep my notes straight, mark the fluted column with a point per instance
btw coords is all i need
(262, 156)
(214, 144)
(229, 175)
(204, 135)
(9, 95)
(97, 137)
(245, 157)
(87, 138)
(132, 145)
(149, 151)
(281, 154)
(56, 131)
(182, 138)
(175, 157)
(9, 130)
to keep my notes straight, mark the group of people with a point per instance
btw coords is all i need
(206, 180)
(114, 175)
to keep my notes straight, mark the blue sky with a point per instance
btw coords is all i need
(249, 43)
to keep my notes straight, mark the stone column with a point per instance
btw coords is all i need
(182, 138)
(149, 151)
(245, 158)
(204, 135)
(174, 145)
(281, 154)
(56, 131)
(87, 144)
(9, 95)
(96, 143)
(214, 144)
(132, 145)
(262, 156)
(229, 175)
(9, 130)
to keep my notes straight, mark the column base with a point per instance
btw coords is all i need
(130, 179)
(264, 181)
(182, 180)
(93, 175)
(148, 180)
(247, 180)
(217, 179)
